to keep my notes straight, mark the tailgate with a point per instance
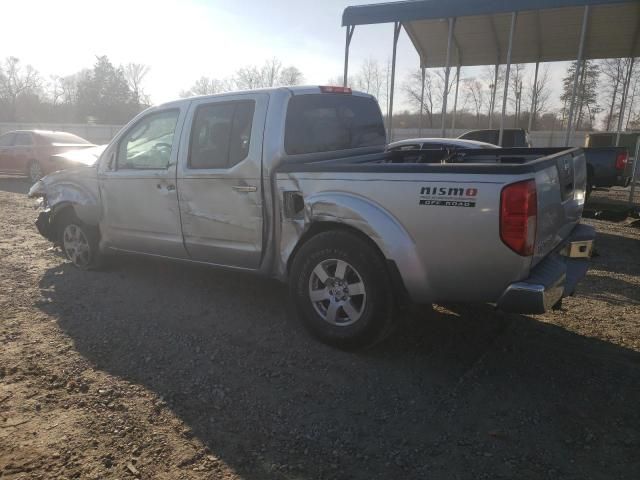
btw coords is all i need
(561, 192)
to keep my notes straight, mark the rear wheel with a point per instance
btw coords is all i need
(79, 242)
(341, 290)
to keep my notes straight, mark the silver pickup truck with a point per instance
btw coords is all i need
(295, 183)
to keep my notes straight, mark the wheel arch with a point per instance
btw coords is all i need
(368, 221)
(316, 228)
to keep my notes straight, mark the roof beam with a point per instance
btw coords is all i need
(409, 10)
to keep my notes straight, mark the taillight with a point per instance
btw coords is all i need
(621, 160)
(329, 89)
(518, 216)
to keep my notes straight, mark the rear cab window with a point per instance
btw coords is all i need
(326, 122)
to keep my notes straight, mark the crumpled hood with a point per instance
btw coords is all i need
(84, 178)
(83, 156)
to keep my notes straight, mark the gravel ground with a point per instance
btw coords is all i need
(165, 371)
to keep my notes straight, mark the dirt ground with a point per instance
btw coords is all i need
(165, 371)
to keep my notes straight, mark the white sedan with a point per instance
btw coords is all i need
(437, 144)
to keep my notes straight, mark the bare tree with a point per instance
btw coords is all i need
(412, 88)
(69, 85)
(16, 81)
(538, 94)
(204, 86)
(475, 93)
(270, 72)
(489, 79)
(371, 78)
(613, 73)
(634, 92)
(290, 76)
(440, 75)
(55, 89)
(516, 81)
(248, 78)
(134, 74)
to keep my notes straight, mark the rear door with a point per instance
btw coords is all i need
(220, 180)
(6, 149)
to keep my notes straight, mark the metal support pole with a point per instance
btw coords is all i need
(514, 16)
(534, 97)
(350, 29)
(633, 172)
(579, 63)
(493, 94)
(396, 33)
(623, 104)
(423, 69)
(447, 72)
(455, 99)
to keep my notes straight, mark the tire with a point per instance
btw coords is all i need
(341, 290)
(34, 171)
(79, 242)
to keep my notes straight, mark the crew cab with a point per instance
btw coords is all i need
(295, 183)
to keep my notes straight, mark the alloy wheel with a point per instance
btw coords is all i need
(337, 292)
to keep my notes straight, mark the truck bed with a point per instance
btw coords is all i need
(422, 194)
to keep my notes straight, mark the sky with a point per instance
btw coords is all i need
(184, 40)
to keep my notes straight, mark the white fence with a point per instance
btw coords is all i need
(103, 133)
(97, 134)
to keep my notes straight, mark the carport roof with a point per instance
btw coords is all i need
(546, 30)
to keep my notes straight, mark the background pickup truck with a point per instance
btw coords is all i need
(294, 183)
(607, 166)
(603, 173)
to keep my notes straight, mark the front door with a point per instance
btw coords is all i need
(138, 187)
(219, 180)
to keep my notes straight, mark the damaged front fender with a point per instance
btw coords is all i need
(75, 188)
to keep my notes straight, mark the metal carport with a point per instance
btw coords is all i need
(460, 33)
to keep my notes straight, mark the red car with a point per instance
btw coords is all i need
(34, 153)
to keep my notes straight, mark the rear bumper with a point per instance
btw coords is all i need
(552, 279)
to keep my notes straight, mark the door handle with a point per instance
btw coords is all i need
(170, 188)
(245, 188)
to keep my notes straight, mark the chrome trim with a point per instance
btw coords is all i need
(245, 188)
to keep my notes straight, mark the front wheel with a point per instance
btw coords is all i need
(79, 243)
(341, 290)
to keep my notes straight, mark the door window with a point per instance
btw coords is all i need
(147, 145)
(23, 140)
(221, 134)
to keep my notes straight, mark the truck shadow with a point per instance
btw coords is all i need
(458, 392)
